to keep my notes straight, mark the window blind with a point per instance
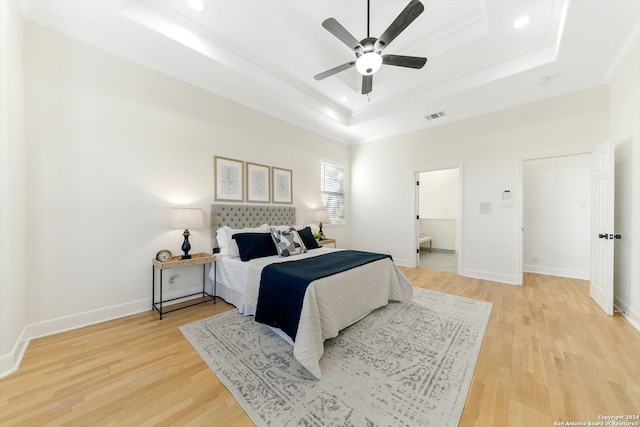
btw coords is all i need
(332, 191)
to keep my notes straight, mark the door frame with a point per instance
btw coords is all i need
(416, 213)
(520, 185)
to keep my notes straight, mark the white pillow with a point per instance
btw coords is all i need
(223, 241)
(231, 245)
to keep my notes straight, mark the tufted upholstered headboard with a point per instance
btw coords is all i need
(244, 216)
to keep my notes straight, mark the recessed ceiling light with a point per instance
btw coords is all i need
(197, 5)
(343, 99)
(521, 22)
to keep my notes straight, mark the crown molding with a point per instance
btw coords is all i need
(624, 52)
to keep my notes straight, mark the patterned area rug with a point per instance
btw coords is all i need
(406, 364)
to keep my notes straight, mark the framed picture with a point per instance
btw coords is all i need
(228, 179)
(258, 188)
(282, 184)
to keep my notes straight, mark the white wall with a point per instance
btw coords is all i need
(112, 145)
(556, 217)
(13, 262)
(625, 135)
(490, 148)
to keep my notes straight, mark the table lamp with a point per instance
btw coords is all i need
(184, 219)
(320, 215)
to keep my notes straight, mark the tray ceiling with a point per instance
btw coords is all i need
(264, 53)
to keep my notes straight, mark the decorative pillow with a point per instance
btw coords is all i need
(254, 245)
(287, 242)
(287, 227)
(232, 250)
(307, 238)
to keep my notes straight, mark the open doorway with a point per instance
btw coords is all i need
(556, 202)
(438, 219)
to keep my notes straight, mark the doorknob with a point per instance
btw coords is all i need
(609, 236)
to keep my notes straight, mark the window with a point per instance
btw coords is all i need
(332, 191)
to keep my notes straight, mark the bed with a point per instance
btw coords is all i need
(328, 304)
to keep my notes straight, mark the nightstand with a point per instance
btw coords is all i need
(177, 262)
(326, 241)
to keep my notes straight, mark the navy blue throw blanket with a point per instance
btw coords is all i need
(283, 285)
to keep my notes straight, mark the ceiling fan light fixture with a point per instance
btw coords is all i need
(368, 63)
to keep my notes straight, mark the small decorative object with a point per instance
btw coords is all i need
(320, 215)
(257, 183)
(282, 185)
(164, 255)
(228, 179)
(185, 218)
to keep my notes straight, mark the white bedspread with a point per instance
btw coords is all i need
(335, 302)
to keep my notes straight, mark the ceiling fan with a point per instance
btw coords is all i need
(368, 51)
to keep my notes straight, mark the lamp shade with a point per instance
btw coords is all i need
(320, 215)
(185, 218)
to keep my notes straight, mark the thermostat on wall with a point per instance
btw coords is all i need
(506, 194)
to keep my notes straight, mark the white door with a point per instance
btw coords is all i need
(602, 232)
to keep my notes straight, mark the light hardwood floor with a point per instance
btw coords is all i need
(549, 355)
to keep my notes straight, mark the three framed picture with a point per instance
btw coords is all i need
(261, 183)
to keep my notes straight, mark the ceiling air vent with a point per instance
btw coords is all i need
(435, 115)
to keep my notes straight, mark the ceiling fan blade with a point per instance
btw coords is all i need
(342, 34)
(367, 84)
(404, 61)
(406, 17)
(334, 70)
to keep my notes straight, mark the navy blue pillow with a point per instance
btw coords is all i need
(307, 238)
(255, 245)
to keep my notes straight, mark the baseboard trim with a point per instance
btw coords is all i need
(405, 263)
(10, 362)
(488, 275)
(627, 312)
(561, 272)
(75, 321)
